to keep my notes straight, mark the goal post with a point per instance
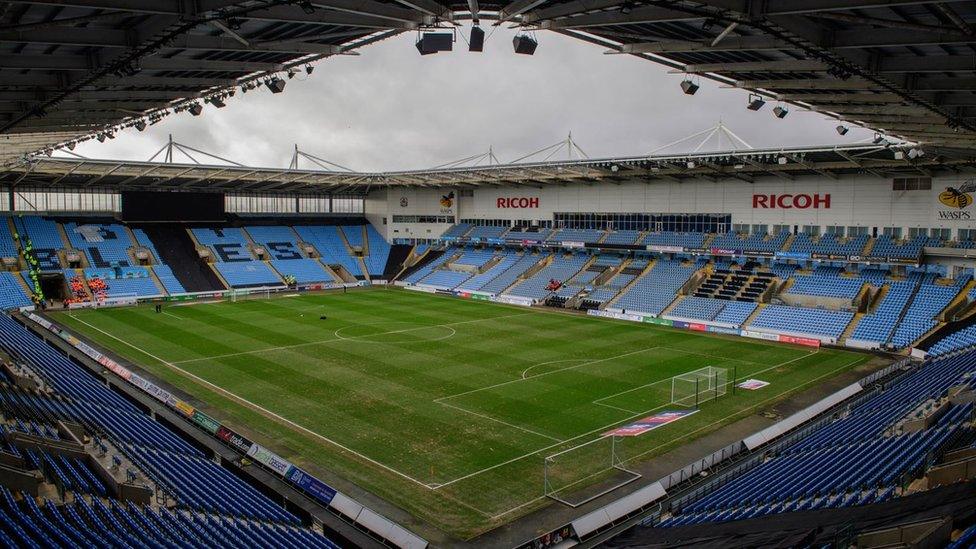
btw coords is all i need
(567, 473)
(245, 294)
(691, 389)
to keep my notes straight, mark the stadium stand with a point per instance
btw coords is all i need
(104, 245)
(621, 237)
(577, 235)
(962, 339)
(44, 238)
(11, 292)
(330, 246)
(210, 506)
(169, 281)
(686, 240)
(228, 244)
(125, 281)
(656, 289)
(878, 326)
(457, 230)
(247, 274)
(802, 321)
(860, 456)
(8, 248)
(819, 284)
(885, 246)
(760, 242)
(377, 252)
(280, 243)
(508, 277)
(561, 268)
(920, 315)
(305, 271)
(485, 231)
(506, 261)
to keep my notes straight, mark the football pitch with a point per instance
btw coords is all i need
(443, 406)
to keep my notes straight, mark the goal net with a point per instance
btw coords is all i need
(693, 388)
(568, 472)
(244, 295)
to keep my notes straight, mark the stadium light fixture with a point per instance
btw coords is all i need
(70, 145)
(476, 42)
(195, 109)
(899, 155)
(309, 69)
(842, 129)
(756, 102)
(689, 87)
(781, 160)
(100, 137)
(781, 112)
(218, 102)
(691, 165)
(141, 125)
(524, 44)
(276, 85)
(915, 153)
(878, 139)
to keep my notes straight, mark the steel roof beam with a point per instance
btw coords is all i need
(637, 16)
(86, 63)
(786, 65)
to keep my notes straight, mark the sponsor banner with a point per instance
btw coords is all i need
(680, 324)
(697, 327)
(425, 289)
(184, 408)
(723, 251)
(830, 257)
(234, 439)
(514, 300)
(495, 240)
(649, 423)
(658, 321)
(521, 242)
(724, 330)
(41, 320)
(792, 255)
(752, 384)
(615, 315)
(760, 335)
(808, 341)
(791, 201)
(264, 456)
(665, 249)
(570, 244)
(206, 422)
(311, 485)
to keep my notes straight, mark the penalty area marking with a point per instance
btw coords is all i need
(264, 411)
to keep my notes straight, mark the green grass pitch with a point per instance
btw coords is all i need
(443, 406)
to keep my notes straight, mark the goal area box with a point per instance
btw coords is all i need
(691, 389)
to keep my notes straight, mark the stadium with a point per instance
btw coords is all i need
(738, 347)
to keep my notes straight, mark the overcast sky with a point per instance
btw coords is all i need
(390, 109)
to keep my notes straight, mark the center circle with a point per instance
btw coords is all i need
(394, 332)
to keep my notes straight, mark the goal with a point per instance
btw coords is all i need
(693, 388)
(245, 295)
(567, 473)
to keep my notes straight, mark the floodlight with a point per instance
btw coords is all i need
(141, 125)
(756, 102)
(689, 87)
(842, 129)
(195, 109)
(276, 85)
(781, 112)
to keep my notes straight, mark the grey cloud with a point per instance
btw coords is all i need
(389, 108)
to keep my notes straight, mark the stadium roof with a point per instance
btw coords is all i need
(880, 160)
(71, 68)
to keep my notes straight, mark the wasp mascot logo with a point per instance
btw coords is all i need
(958, 200)
(447, 200)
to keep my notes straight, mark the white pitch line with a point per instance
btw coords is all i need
(500, 421)
(521, 379)
(259, 408)
(321, 341)
(172, 315)
(613, 407)
(609, 425)
(758, 404)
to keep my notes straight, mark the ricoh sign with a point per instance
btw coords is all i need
(791, 201)
(517, 202)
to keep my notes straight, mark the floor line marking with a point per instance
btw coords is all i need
(520, 379)
(632, 389)
(758, 404)
(603, 428)
(500, 421)
(172, 315)
(321, 341)
(258, 407)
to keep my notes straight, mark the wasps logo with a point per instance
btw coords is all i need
(954, 198)
(447, 200)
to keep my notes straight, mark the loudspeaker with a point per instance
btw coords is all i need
(477, 42)
(276, 85)
(524, 45)
(689, 87)
(433, 42)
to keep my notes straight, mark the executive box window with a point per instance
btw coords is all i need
(911, 184)
(423, 219)
(892, 232)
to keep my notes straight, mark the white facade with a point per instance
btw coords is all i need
(850, 201)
